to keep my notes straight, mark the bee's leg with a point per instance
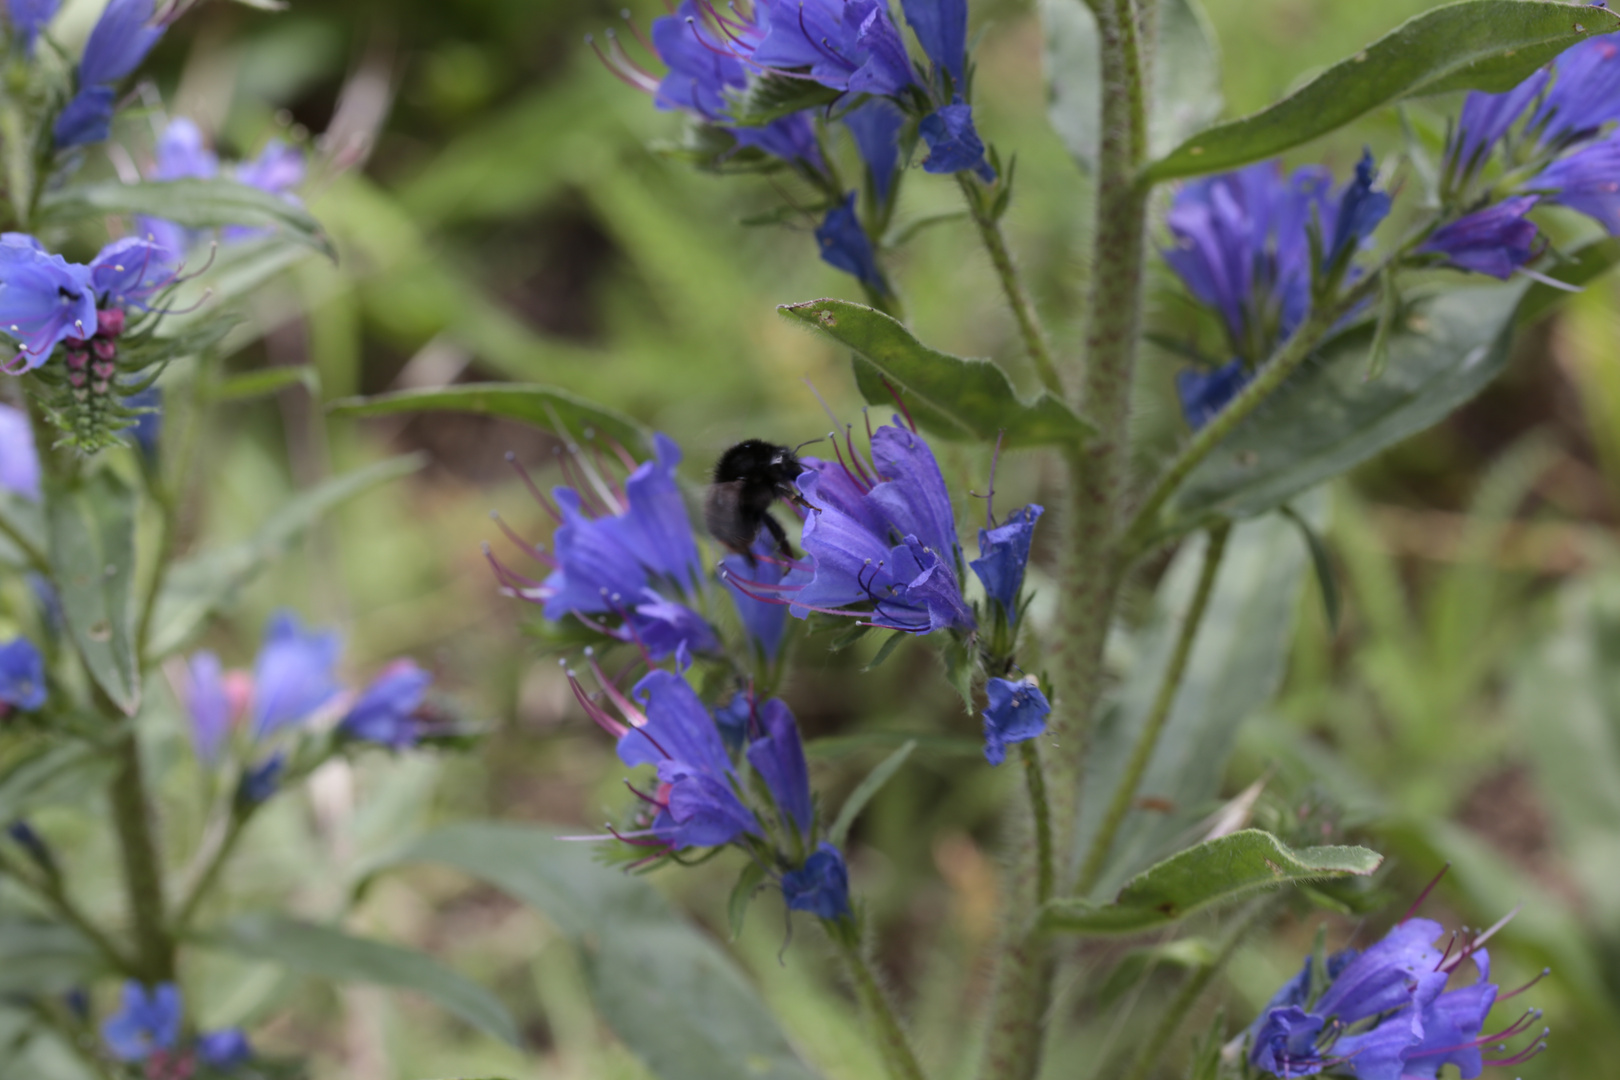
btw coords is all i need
(781, 537)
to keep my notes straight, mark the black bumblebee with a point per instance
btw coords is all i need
(748, 478)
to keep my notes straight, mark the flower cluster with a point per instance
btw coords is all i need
(147, 1030)
(182, 153)
(843, 59)
(118, 43)
(294, 687)
(1388, 1013)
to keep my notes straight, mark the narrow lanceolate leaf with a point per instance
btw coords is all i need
(548, 407)
(199, 585)
(328, 953)
(92, 554)
(863, 793)
(1489, 45)
(1186, 76)
(196, 204)
(947, 395)
(1218, 871)
(673, 996)
(266, 381)
(23, 521)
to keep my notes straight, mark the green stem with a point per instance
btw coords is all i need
(1140, 533)
(49, 889)
(143, 871)
(1023, 309)
(893, 1046)
(1042, 814)
(1148, 741)
(210, 872)
(1193, 989)
(1088, 577)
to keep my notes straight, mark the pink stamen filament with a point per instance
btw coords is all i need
(860, 485)
(634, 715)
(853, 456)
(1474, 945)
(900, 402)
(533, 551)
(627, 838)
(1424, 895)
(630, 79)
(597, 714)
(644, 797)
(628, 628)
(534, 489)
(587, 497)
(1515, 993)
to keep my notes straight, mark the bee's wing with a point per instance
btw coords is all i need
(728, 520)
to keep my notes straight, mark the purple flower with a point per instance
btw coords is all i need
(764, 621)
(876, 127)
(1496, 240)
(1003, 555)
(44, 299)
(778, 757)
(129, 272)
(86, 118)
(1240, 247)
(224, 1049)
(820, 886)
(386, 712)
(182, 153)
(120, 40)
(1205, 393)
(1485, 118)
(22, 675)
(1585, 92)
(733, 718)
(953, 144)
(148, 1021)
(1358, 213)
(941, 29)
(277, 170)
(696, 803)
(262, 780)
(1016, 711)
(19, 458)
(294, 675)
(1587, 181)
(28, 18)
(209, 704)
(849, 45)
(845, 245)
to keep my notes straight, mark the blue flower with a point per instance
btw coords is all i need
(1584, 181)
(19, 458)
(86, 118)
(386, 712)
(28, 18)
(1495, 241)
(849, 45)
(1240, 247)
(277, 170)
(883, 540)
(262, 780)
(953, 144)
(182, 153)
(876, 127)
(1485, 118)
(941, 29)
(1016, 711)
(1585, 92)
(44, 300)
(1358, 213)
(820, 886)
(705, 65)
(1205, 393)
(147, 405)
(22, 675)
(294, 675)
(764, 621)
(778, 756)
(732, 719)
(120, 40)
(845, 245)
(697, 805)
(224, 1049)
(129, 272)
(1003, 555)
(148, 1021)
(209, 703)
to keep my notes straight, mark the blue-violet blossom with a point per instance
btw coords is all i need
(386, 713)
(1003, 556)
(1203, 393)
(1495, 241)
(1015, 711)
(19, 458)
(820, 886)
(28, 18)
(844, 244)
(120, 40)
(22, 675)
(148, 1021)
(295, 674)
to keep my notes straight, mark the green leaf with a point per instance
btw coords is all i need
(674, 998)
(1490, 45)
(833, 747)
(266, 381)
(1237, 663)
(885, 650)
(775, 96)
(198, 585)
(1182, 953)
(1584, 264)
(547, 407)
(742, 894)
(1186, 76)
(193, 203)
(236, 270)
(949, 396)
(1218, 871)
(39, 957)
(1321, 563)
(57, 774)
(865, 790)
(92, 555)
(23, 520)
(328, 953)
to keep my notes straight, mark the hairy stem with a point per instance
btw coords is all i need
(205, 878)
(1092, 499)
(1042, 815)
(1197, 983)
(1283, 363)
(1148, 741)
(892, 1043)
(143, 871)
(1023, 309)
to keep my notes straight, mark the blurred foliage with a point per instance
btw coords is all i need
(509, 221)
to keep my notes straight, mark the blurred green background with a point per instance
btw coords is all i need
(504, 214)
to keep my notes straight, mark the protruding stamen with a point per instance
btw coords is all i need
(1424, 895)
(599, 715)
(901, 404)
(534, 489)
(1515, 993)
(631, 712)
